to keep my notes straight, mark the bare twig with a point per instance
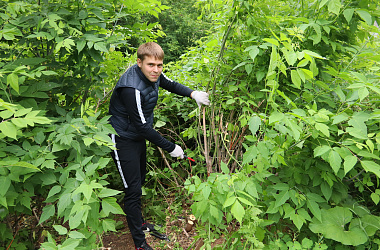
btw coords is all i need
(206, 153)
(168, 165)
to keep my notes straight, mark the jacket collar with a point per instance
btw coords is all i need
(142, 76)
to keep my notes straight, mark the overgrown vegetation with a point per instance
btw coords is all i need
(287, 156)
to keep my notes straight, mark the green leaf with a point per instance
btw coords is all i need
(110, 205)
(333, 226)
(367, 154)
(159, 124)
(369, 222)
(348, 13)
(101, 47)
(276, 117)
(374, 89)
(281, 186)
(365, 16)
(317, 38)
(85, 189)
(298, 220)
(55, 190)
(375, 198)
(314, 208)
(70, 244)
(313, 54)
(253, 52)
(60, 229)
(18, 164)
(107, 192)
(357, 132)
(41, 120)
(47, 212)
(349, 162)
(323, 128)
(80, 45)
(8, 129)
(49, 73)
(308, 74)
(272, 41)
(80, 212)
(254, 124)
(5, 183)
(334, 6)
(281, 198)
(296, 79)
(214, 212)
(238, 211)
(370, 166)
(245, 201)
(229, 201)
(335, 161)
(206, 192)
(290, 56)
(109, 225)
(224, 168)
(340, 118)
(64, 202)
(76, 235)
(326, 190)
(363, 93)
(19, 122)
(323, 3)
(12, 80)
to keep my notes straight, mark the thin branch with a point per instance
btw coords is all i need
(168, 165)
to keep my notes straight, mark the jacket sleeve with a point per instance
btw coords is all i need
(174, 87)
(132, 100)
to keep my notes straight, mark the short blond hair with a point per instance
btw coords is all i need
(150, 49)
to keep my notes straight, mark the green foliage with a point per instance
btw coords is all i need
(182, 27)
(295, 90)
(224, 199)
(288, 150)
(58, 62)
(333, 225)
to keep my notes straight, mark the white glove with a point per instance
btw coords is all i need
(200, 97)
(177, 152)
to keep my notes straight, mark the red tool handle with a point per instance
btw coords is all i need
(191, 159)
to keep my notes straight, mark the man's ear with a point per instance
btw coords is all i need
(139, 62)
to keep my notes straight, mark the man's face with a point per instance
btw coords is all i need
(151, 67)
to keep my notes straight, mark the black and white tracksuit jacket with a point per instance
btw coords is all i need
(132, 104)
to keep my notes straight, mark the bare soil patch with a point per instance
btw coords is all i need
(179, 238)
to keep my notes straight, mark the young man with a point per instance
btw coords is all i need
(131, 109)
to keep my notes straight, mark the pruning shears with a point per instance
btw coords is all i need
(159, 235)
(187, 157)
(149, 228)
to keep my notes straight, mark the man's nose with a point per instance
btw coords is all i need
(155, 68)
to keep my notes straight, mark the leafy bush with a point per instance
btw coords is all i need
(54, 147)
(295, 91)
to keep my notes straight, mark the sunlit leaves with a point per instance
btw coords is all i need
(335, 160)
(296, 79)
(349, 162)
(323, 128)
(333, 226)
(254, 124)
(371, 166)
(110, 205)
(238, 211)
(348, 14)
(365, 16)
(47, 212)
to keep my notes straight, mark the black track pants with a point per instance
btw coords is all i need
(130, 160)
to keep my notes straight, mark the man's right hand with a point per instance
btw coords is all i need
(177, 152)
